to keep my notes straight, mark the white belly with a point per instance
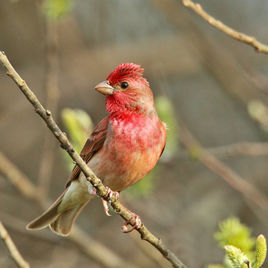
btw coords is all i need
(78, 192)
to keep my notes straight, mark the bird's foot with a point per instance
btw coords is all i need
(105, 207)
(105, 203)
(112, 193)
(135, 221)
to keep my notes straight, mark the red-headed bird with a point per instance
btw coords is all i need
(121, 150)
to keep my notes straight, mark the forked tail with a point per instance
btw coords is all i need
(59, 222)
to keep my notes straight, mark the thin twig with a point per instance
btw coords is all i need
(18, 225)
(18, 179)
(15, 254)
(101, 190)
(228, 72)
(253, 149)
(87, 244)
(149, 252)
(96, 249)
(250, 40)
(241, 185)
(242, 148)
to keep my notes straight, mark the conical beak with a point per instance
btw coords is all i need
(105, 88)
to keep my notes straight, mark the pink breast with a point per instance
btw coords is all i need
(130, 151)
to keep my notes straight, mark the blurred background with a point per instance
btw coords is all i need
(210, 89)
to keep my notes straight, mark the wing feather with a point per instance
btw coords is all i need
(93, 144)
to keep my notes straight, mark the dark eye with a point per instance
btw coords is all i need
(124, 85)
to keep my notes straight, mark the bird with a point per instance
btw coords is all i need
(124, 146)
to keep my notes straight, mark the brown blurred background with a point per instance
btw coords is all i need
(212, 82)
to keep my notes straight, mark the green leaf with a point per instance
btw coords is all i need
(56, 9)
(78, 125)
(166, 114)
(261, 251)
(233, 232)
(236, 257)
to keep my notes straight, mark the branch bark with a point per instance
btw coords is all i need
(102, 192)
(15, 254)
(87, 244)
(250, 40)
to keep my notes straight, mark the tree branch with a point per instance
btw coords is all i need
(16, 256)
(253, 149)
(241, 185)
(87, 244)
(250, 40)
(94, 180)
(23, 185)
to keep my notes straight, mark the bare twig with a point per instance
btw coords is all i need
(18, 179)
(248, 190)
(149, 252)
(96, 249)
(242, 148)
(250, 40)
(96, 182)
(52, 95)
(87, 244)
(253, 149)
(228, 72)
(15, 254)
(18, 225)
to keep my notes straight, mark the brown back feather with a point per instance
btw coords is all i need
(93, 144)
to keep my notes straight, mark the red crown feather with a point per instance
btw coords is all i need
(125, 71)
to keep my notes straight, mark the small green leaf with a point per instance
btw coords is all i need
(261, 251)
(78, 125)
(233, 232)
(166, 114)
(56, 9)
(236, 257)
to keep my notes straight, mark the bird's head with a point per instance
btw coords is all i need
(127, 90)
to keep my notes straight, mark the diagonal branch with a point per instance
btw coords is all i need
(15, 254)
(253, 149)
(250, 40)
(248, 190)
(90, 246)
(94, 180)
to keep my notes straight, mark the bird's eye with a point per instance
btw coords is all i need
(124, 85)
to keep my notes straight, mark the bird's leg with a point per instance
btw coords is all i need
(112, 193)
(135, 220)
(106, 207)
(105, 203)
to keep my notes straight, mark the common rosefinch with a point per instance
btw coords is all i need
(122, 149)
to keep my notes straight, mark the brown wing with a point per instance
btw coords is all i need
(93, 144)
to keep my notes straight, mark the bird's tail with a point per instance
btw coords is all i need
(59, 221)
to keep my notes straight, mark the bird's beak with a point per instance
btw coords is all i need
(105, 88)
